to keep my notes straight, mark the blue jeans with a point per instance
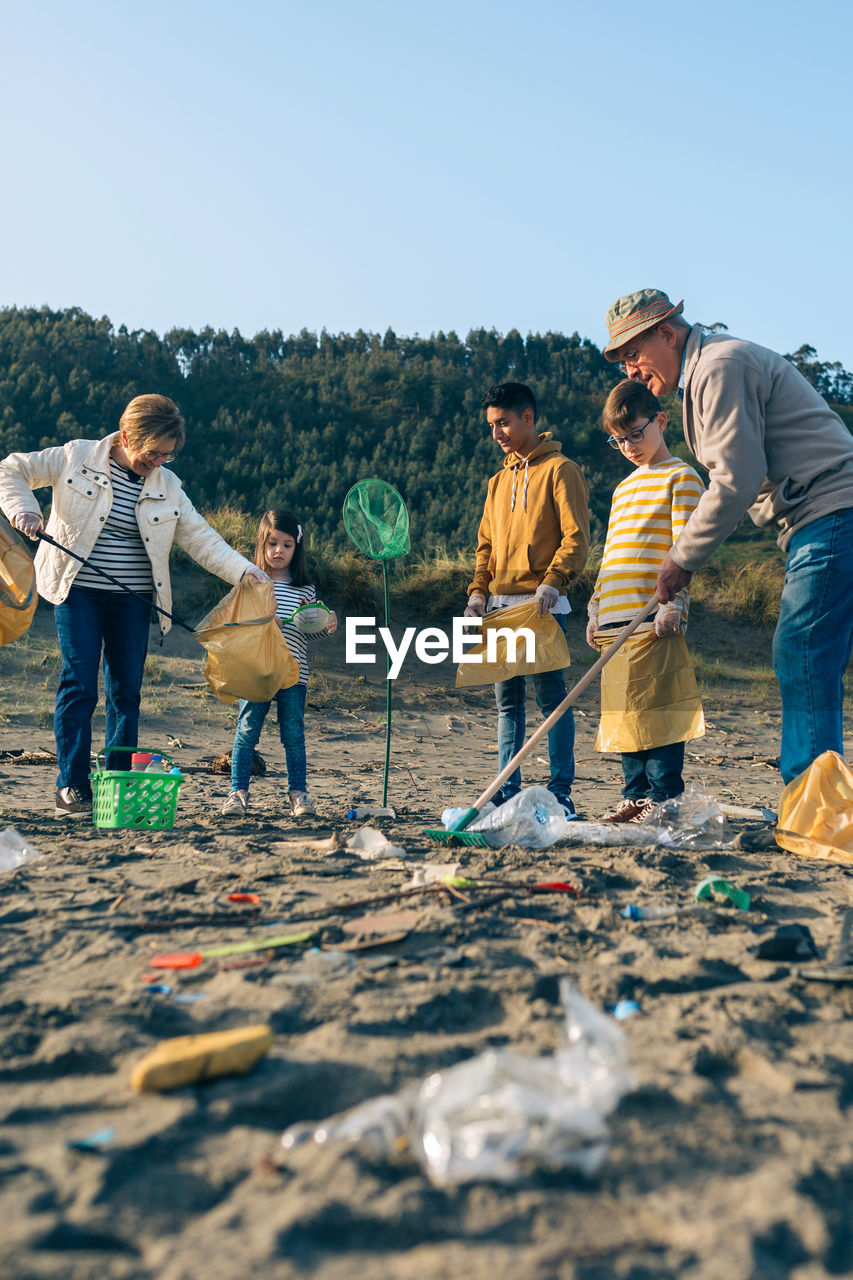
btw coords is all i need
(88, 623)
(550, 689)
(813, 640)
(290, 704)
(654, 773)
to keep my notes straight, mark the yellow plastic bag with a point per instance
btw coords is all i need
(548, 652)
(247, 655)
(649, 695)
(816, 811)
(18, 598)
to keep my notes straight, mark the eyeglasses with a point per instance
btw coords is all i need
(630, 357)
(153, 456)
(633, 437)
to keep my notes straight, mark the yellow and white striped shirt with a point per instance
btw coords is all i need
(650, 508)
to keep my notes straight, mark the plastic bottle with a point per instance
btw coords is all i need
(139, 761)
(633, 912)
(157, 764)
(370, 811)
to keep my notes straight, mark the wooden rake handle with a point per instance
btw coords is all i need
(570, 698)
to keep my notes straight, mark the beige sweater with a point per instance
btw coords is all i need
(771, 443)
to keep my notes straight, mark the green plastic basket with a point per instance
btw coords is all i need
(123, 798)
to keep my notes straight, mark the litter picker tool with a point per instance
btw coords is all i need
(45, 537)
(458, 835)
(377, 522)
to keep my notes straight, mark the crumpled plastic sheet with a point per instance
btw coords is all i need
(502, 1114)
(693, 820)
(533, 819)
(15, 850)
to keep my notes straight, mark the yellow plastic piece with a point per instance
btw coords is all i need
(549, 652)
(815, 816)
(190, 1059)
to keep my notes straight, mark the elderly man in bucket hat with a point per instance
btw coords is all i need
(773, 448)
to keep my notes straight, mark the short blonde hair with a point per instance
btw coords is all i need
(150, 419)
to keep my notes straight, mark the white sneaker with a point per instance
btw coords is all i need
(237, 803)
(301, 803)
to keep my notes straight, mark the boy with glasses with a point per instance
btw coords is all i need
(649, 700)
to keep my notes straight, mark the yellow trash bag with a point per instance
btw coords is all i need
(247, 655)
(547, 652)
(649, 695)
(18, 597)
(816, 811)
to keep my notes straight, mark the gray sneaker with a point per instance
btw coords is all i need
(236, 804)
(300, 803)
(71, 802)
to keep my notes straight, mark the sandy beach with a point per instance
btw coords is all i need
(731, 1158)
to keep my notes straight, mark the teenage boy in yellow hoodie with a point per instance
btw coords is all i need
(532, 542)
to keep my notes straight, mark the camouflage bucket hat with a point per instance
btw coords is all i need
(633, 314)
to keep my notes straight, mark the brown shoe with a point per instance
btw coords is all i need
(630, 810)
(71, 802)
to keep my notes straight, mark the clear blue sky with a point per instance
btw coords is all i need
(449, 165)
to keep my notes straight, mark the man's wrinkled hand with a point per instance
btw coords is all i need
(476, 605)
(671, 579)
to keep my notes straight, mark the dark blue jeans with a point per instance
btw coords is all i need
(550, 689)
(813, 640)
(655, 772)
(290, 704)
(89, 624)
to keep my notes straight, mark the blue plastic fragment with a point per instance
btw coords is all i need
(161, 988)
(189, 997)
(96, 1141)
(625, 1009)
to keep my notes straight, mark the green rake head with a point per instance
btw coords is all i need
(458, 835)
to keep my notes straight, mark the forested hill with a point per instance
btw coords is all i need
(294, 421)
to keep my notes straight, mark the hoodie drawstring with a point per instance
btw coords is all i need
(523, 488)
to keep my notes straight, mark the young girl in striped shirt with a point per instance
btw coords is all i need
(280, 552)
(649, 699)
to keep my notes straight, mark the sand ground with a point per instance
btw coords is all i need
(733, 1157)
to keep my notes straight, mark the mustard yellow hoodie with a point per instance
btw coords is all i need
(535, 525)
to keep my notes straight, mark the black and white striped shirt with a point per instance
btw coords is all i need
(119, 549)
(288, 598)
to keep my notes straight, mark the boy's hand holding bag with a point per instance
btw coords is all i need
(247, 654)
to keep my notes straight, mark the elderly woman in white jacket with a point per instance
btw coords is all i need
(115, 505)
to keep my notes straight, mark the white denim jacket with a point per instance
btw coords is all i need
(79, 473)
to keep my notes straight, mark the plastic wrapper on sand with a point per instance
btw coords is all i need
(502, 1114)
(816, 811)
(693, 820)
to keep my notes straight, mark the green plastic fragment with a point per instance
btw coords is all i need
(714, 884)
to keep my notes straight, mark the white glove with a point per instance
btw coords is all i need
(668, 619)
(28, 524)
(592, 625)
(547, 597)
(476, 605)
(254, 572)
